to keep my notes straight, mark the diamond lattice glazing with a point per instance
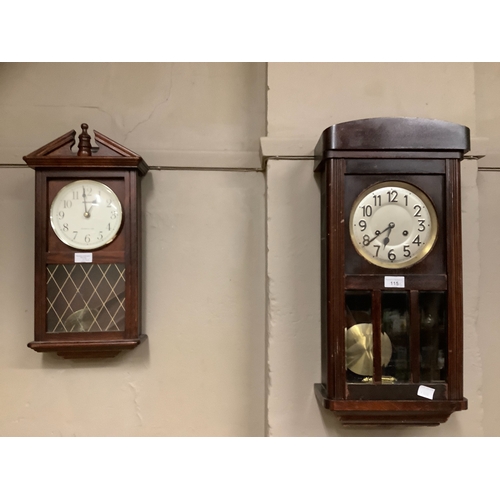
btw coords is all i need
(85, 297)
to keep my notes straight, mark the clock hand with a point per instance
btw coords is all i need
(86, 213)
(388, 228)
(386, 239)
(92, 204)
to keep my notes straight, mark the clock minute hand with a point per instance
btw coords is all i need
(388, 228)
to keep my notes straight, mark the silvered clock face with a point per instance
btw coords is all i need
(393, 224)
(86, 214)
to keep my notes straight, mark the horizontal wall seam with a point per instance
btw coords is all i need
(163, 167)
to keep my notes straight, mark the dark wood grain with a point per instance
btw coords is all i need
(335, 284)
(455, 286)
(412, 281)
(377, 335)
(398, 166)
(393, 134)
(395, 392)
(415, 336)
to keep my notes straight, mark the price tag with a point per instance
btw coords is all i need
(83, 257)
(394, 281)
(425, 392)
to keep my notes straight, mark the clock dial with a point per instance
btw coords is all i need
(86, 214)
(393, 224)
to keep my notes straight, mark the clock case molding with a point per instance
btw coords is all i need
(55, 165)
(348, 157)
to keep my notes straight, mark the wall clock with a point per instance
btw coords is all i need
(392, 326)
(87, 247)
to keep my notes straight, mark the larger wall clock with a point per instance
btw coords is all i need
(392, 326)
(87, 247)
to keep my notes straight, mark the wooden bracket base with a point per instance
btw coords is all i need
(87, 349)
(389, 412)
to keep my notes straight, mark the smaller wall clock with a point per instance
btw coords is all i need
(87, 247)
(392, 325)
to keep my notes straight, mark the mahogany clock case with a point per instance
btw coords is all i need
(350, 157)
(107, 287)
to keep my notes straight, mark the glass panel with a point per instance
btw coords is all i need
(85, 298)
(395, 337)
(359, 336)
(433, 338)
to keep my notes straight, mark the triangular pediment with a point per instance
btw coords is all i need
(61, 152)
(58, 147)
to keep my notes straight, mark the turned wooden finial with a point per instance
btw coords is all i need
(84, 147)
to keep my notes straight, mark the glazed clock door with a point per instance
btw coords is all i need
(86, 265)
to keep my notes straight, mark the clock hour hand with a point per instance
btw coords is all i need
(386, 239)
(93, 203)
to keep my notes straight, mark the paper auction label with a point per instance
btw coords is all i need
(394, 281)
(83, 257)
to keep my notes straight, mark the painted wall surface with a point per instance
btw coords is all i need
(306, 98)
(303, 100)
(202, 370)
(488, 125)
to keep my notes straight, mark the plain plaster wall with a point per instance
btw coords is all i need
(201, 373)
(487, 78)
(304, 99)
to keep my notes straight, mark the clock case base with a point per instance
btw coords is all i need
(389, 412)
(87, 349)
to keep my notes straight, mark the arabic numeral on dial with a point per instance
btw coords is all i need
(421, 224)
(366, 240)
(377, 199)
(418, 209)
(378, 248)
(87, 238)
(367, 210)
(417, 241)
(406, 200)
(406, 250)
(109, 226)
(75, 195)
(65, 227)
(109, 204)
(75, 233)
(100, 236)
(67, 204)
(391, 255)
(362, 224)
(60, 215)
(114, 214)
(392, 196)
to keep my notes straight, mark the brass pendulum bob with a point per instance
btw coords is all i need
(359, 346)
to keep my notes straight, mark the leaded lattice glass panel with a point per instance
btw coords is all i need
(85, 297)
